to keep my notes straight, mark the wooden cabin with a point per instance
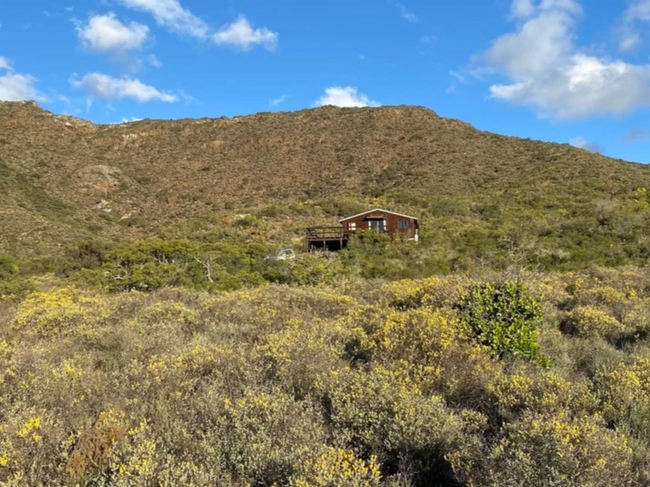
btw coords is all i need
(378, 220)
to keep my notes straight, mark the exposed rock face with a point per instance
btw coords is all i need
(101, 177)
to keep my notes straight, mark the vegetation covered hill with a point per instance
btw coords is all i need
(74, 194)
(64, 178)
(147, 339)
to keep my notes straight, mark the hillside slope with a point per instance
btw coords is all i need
(63, 177)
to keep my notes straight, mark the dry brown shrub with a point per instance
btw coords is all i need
(93, 447)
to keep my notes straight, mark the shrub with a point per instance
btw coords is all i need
(152, 264)
(588, 321)
(61, 311)
(365, 383)
(384, 412)
(417, 336)
(503, 317)
(625, 391)
(542, 393)
(337, 468)
(263, 436)
(12, 284)
(15, 288)
(541, 450)
(303, 354)
(435, 291)
(312, 269)
(8, 267)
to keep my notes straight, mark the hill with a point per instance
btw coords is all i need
(63, 176)
(80, 197)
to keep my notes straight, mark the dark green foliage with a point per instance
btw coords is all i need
(154, 263)
(503, 317)
(8, 267)
(12, 282)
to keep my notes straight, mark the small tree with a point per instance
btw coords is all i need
(503, 317)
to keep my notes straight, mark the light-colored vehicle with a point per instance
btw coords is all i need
(286, 254)
(282, 254)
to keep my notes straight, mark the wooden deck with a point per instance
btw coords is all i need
(336, 238)
(327, 238)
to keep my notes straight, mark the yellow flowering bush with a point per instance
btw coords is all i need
(59, 311)
(541, 450)
(384, 412)
(301, 354)
(261, 435)
(544, 393)
(625, 391)
(337, 468)
(419, 336)
(434, 292)
(166, 317)
(588, 321)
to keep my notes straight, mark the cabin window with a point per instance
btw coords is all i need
(379, 225)
(352, 226)
(403, 225)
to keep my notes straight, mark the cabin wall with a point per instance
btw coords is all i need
(361, 222)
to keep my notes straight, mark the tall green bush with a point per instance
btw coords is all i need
(504, 317)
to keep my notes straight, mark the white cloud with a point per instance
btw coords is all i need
(546, 70)
(241, 34)
(410, 16)
(15, 86)
(345, 97)
(18, 87)
(279, 100)
(172, 15)
(540, 43)
(638, 11)
(105, 33)
(154, 61)
(104, 86)
(459, 76)
(585, 144)
(522, 8)
(629, 41)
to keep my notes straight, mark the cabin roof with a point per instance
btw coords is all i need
(377, 210)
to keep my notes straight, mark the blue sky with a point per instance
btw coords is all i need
(557, 70)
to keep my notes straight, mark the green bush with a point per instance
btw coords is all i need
(151, 264)
(503, 317)
(12, 284)
(8, 267)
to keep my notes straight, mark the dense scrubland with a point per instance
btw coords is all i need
(147, 339)
(542, 380)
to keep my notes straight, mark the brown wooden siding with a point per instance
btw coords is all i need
(392, 224)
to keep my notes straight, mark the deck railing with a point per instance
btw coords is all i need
(323, 233)
(337, 233)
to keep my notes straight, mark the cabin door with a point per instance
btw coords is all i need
(378, 225)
